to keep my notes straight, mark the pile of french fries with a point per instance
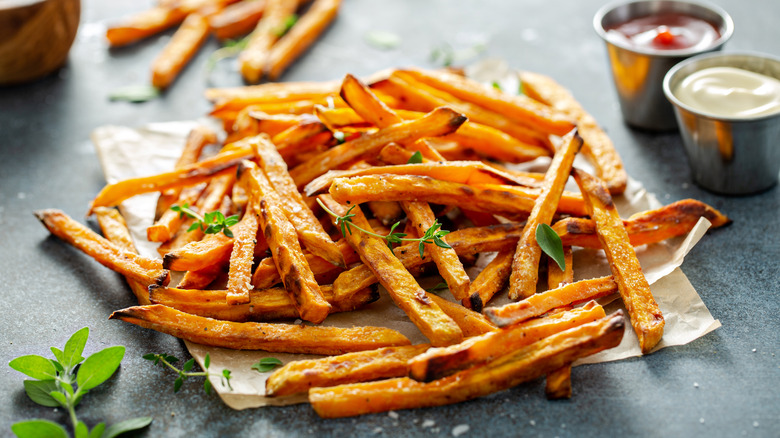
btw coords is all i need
(277, 36)
(305, 164)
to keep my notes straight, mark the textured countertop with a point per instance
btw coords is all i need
(725, 384)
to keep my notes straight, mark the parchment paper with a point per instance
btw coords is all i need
(129, 152)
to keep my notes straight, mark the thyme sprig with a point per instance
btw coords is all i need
(166, 360)
(210, 223)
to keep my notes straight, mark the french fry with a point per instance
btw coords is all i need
(557, 277)
(266, 275)
(541, 303)
(597, 146)
(470, 322)
(526, 364)
(144, 24)
(281, 338)
(558, 384)
(646, 317)
(180, 49)
(165, 228)
(300, 375)
(237, 19)
(437, 363)
(490, 280)
(652, 226)
(141, 269)
(438, 122)
(264, 305)
(202, 278)
(285, 249)
(273, 124)
(306, 30)
(489, 198)
(221, 164)
(115, 230)
(241, 259)
(238, 98)
(439, 328)
(525, 265)
(254, 57)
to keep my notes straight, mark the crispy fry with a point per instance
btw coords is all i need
(441, 362)
(285, 249)
(490, 280)
(241, 259)
(470, 322)
(320, 14)
(164, 228)
(180, 49)
(143, 25)
(597, 146)
(264, 305)
(652, 226)
(489, 198)
(557, 277)
(141, 269)
(266, 275)
(543, 302)
(282, 338)
(516, 367)
(438, 122)
(238, 98)
(646, 317)
(439, 328)
(115, 230)
(237, 19)
(363, 366)
(525, 265)
(558, 383)
(273, 124)
(254, 57)
(202, 278)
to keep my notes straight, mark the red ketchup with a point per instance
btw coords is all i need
(666, 31)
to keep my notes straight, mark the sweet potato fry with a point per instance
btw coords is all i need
(597, 146)
(144, 24)
(470, 322)
(543, 302)
(264, 305)
(202, 278)
(221, 164)
(241, 259)
(238, 98)
(363, 366)
(237, 19)
(266, 275)
(517, 367)
(438, 122)
(282, 338)
(115, 230)
(525, 265)
(439, 328)
(273, 124)
(441, 362)
(285, 249)
(164, 228)
(180, 49)
(490, 280)
(646, 317)
(254, 58)
(141, 269)
(558, 383)
(519, 108)
(489, 198)
(306, 30)
(652, 226)
(557, 277)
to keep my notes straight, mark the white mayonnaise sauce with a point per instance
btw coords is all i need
(730, 92)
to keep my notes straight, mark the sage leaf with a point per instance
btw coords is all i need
(39, 390)
(37, 367)
(126, 426)
(551, 244)
(38, 429)
(99, 367)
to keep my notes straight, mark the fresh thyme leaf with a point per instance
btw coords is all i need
(266, 364)
(551, 244)
(288, 23)
(382, 40)
(134, 93)
(416, 158)
(496, 85)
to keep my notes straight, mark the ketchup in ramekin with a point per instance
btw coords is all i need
(665, 31)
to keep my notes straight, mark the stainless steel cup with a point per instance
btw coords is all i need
(729, 155)
(637, 72)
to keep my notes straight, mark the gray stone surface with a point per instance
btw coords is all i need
(49, 290)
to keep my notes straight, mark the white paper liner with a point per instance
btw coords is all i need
(129, 152)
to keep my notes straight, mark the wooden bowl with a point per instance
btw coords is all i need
(35, 37)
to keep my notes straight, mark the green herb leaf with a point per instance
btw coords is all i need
(266, 364)
(438, 287)
(37, 367)
(126, 426)
(496, 85)
(382, 40)
(39, 390)
(81, 430)
(99, 367)
(188, 365)
(416, 158)
(59, 397)
(38, 429)
(551, 244)
(226, 376)
(74, 347)
(134, 93)
(288, 23)
(177, 384)
(58, 354)
(207, 386)
(97, 431)
(207, 361)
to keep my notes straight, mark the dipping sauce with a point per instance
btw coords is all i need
(666, 31)
(730, 92)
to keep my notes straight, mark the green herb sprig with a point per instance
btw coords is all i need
(432, 235)
(289, 22)
(266, 364)
(416, 158)
(551, 244)
(57, 384)
(210, 223)
(166, 360)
